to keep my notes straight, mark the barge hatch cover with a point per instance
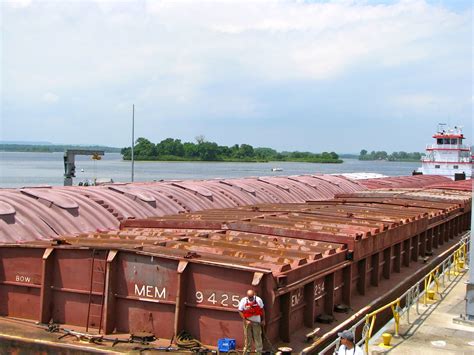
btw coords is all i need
(44, 213)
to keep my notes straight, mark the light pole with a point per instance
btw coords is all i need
(470, 282)
(133, 141)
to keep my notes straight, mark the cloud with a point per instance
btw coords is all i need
(274, 40)
(236, 61)
(50, 98)
(316, 40)
(18, 3)
(420, 101)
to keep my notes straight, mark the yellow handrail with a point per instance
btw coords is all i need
(370, 319)
(431, 277)
(434, 275)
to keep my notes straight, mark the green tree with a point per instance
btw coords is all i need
(144, 148)
(224, 151)
(208, 151)
(234, 150)
(296, 155)
(126, 152)
(190, 150)
(326, 155)
(170, 146)
(265, 153)
(245, 151)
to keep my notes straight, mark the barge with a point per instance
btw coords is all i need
(315, 263)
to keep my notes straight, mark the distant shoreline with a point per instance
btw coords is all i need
(53, 148)
(185, 160)
(393, 157)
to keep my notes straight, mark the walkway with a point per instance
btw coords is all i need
(433, 331)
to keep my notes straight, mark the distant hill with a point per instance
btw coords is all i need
(50, 148)
(25, 142)
(349, 155)
(395, 156)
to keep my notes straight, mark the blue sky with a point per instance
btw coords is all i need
(292, 75)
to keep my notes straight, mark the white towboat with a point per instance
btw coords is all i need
(448, 156)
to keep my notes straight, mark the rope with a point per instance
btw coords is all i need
(185, 340)
(365, 330)
(264, 333)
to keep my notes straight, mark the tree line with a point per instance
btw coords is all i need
(395, 156)
(171, 149)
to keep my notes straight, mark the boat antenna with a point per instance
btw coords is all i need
(440, 126)
(133, 141)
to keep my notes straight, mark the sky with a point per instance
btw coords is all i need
(292, 75)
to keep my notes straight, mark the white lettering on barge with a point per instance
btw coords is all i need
(150, 291)
(21, 278)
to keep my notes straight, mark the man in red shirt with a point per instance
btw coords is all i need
(252, 312)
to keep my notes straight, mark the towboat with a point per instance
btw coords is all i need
(448, 156)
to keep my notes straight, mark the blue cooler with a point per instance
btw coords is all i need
(225, 345)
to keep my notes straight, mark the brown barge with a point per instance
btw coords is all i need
(162, 275)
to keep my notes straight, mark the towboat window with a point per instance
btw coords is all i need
(437, 166)
(439, 141)
(455, 166)
(446, 141)
(454, 141)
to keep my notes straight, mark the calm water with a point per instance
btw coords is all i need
(30, 169)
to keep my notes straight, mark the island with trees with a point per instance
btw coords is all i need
(395, 156)
(171, 149)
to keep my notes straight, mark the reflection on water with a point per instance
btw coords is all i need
(30, 169)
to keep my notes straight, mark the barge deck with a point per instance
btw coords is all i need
(163, 275)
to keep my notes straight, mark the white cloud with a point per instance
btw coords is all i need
(418, 101)
(83, 44)
(18, 3)
(50, 98)
(234, 59)
(430, 106)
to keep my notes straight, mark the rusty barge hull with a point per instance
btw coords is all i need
(187, 271)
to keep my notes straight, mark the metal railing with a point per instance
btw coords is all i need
(448, 146)
(451, 266)
(370, 321)
(445, 161)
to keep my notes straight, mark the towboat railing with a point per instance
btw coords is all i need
(442, 161)
(448, 146)
(422, 291)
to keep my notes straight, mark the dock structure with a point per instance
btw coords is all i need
(433, 325)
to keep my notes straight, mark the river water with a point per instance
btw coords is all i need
(33, 169)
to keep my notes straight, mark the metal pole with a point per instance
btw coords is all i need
(470, 283)
(133, 141)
